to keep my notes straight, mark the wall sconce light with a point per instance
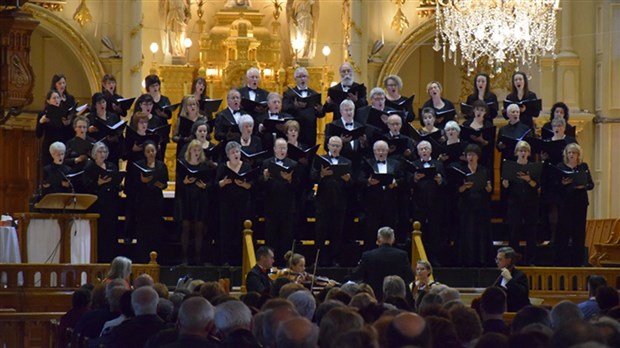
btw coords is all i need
(298, 44)
(211, 73)
(154, 48)
(326, 52)
(187, 42)
(267, 72)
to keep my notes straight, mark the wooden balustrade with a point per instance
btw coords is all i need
(48, 287)
(248, 256)
(27, 329)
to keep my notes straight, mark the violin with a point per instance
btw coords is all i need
(275, 273)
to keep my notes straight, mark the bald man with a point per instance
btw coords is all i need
(357, 94)
(409, 329)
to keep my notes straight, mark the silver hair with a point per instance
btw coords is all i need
(304, 302)
(511, 107)
(195, 314)
(245, 119)
(232, 315)
(347, 102)
(424, 143)
(252, 70)
(98, 145)
(144, 301)
(377, 91)
(394, 285)
(286, 337)
(57, 146)
(452, 125)
(385, 233)
(300, 70)
(231, 145)
(120, 268)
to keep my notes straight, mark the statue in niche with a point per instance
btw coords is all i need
(238, 4)
(303, 20)
(175, 14)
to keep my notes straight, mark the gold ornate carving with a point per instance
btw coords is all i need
(399, 55)
(50, 5)
(426, 8)
(76, 42)
(135, 30)
(356, 28)
(277, 8)
(346, 27)
(82, 14)
(18, 72)
(399, 22)
(138, 67)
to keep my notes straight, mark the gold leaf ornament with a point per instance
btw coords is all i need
(82, 14)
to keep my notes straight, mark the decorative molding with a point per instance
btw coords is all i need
(138, 67)
(399, 21)
(399, 55)
(82, 14)
(51, 5)
(426, 8)
(76, 42)
(135, 30)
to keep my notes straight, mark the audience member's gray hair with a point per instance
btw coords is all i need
(144, 301)
(297, 332)
(258, 327)
(232, 315)
(272, 321)
(350, 288)
(304, 302)
(394, 285)
(195, 314)
(143, 280)
(564, 312)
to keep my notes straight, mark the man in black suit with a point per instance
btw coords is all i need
(274, 112)
(281, 183)
(512, 280)
(304, 113)
(428, 198)
(357, 96)
(136, 331)
(257, 278)
(353, 149)
(252, 92)
(226, 121)
(331, 199)
(379, 198)
(383, 261)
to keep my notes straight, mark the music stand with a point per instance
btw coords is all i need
(66, 201)
(66, 207)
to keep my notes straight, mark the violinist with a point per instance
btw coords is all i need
(423, 282)
(296, 271)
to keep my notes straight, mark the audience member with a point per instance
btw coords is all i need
(161, 289)
(467, 325)
(233, 320)
(573, 333)
(366, 338)
(442, 333)
(336, 322)
(143, 280)
(272, 321)
(492, 308)
(211, 290)
(304, 302)
(80, 304)
(136, 331)
(590, 307)
(563, 313)
(607, 298)
(530, 315)
(324, 308)
(297, 332)
(492, 340)
(408, 329)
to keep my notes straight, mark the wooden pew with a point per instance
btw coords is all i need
(49, 287)
(554, 284)
(27, 329)
(603, 242)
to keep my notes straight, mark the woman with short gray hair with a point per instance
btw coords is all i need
(249, 142)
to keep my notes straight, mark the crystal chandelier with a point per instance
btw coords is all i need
(517, 31)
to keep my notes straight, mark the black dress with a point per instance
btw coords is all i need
(234, 208)
(526, 117)
(487, 155)
(51, 131)
(147, 202)
(194, 201)
(114, 143)
(573, 210)
(106, 205)
(440, 122)
(490, 100)
(474, 240)
(54, 175)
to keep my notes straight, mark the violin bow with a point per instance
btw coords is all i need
(316, 263)
(290, 260)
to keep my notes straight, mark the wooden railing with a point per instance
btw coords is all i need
(28, 329)
(48, 287)
(249, 256)
(554, 284)
(417, 247)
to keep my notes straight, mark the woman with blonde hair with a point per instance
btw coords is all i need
(574, 182)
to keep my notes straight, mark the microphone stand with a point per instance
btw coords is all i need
(36, 195)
